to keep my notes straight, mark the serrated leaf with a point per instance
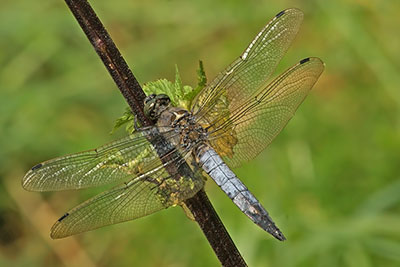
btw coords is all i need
(125, 118)
(201, 83)
(159, 86)
(201, 75)
(180, 95)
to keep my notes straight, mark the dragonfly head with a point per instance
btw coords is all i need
(154, 105)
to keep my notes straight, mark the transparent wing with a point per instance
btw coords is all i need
(243, 77)
(141, 196)
(252, 126)
(119, 160)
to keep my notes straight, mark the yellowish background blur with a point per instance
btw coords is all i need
(330, 180)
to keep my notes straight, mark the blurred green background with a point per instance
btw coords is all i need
(330, 180)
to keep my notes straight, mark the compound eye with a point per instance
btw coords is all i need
(149, 98)
(149, 108)
(163, 98)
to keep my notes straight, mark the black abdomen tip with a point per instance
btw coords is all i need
(280, 13)
(304, 60)
(279, 235)
(37, 167)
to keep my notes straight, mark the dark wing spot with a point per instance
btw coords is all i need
(63, 217)
(37, 167)
(304, 60)
(280, 13)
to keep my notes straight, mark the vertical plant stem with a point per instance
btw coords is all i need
(216, 233)
(111, 57)
(199, 205)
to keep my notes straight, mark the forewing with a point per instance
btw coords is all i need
(141, 196)
(252, 126)
(119, 160)
(251, 70)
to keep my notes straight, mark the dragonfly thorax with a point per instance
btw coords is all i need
(189, 131)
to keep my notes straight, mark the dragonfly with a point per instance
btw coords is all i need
(230, 121)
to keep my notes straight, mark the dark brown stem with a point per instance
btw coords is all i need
(199, 205)
(111, 57)
(219, 239)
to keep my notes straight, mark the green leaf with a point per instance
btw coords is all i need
(201, 83)
(126, 118)
(162, 86)
(201, 76)
(180, 95)
(179, 92)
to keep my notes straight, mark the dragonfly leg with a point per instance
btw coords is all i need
(136, 125)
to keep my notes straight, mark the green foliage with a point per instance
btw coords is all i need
(180, 95)
(330, 180)
(201, 83)
(127, 118)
